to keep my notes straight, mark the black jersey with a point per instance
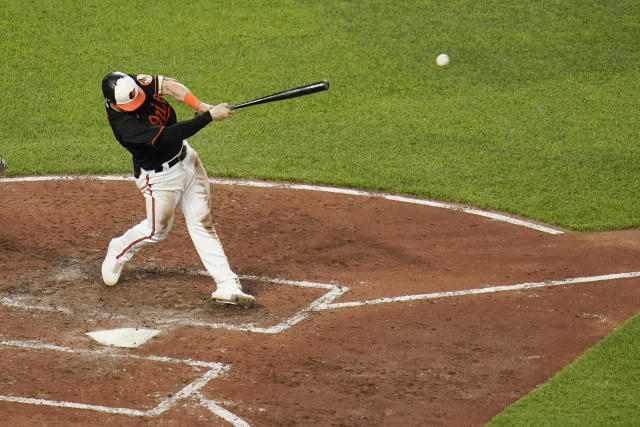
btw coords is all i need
(151, 133)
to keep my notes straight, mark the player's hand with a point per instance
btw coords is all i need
(204, 107)
(220, 112)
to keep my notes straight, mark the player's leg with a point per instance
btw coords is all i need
(160, 201)
(195, 206)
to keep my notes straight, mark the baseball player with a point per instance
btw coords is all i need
(168, 173)
(3, 165)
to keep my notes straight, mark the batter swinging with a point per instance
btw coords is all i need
(168, 174)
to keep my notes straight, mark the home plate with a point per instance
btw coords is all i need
(124, 337)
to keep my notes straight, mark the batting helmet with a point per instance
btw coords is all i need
(122, 89)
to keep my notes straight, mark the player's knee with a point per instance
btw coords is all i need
(162, 231)
(203, 221)
(163, 227)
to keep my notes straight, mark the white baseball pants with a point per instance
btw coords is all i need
(185, 185)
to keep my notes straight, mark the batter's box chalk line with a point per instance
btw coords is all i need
(190, 392)
(333, 291)
(326, 301)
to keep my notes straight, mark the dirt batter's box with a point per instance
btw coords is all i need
(281, 315)
(138, 386)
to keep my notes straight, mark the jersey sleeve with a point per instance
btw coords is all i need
(159, 80)
(182, 130)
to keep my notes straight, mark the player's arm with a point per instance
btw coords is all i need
(187, 128)
(174, 88)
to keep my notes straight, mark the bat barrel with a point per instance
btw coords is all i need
(287, 94)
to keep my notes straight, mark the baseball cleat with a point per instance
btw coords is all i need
(235, 297)
(111, 267)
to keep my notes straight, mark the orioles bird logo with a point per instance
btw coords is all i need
(132, 94)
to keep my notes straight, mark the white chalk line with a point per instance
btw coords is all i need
(484, 290)
(301, 283)
(221, 412)
(37, 345)
(74, 405)
(322, 303)
(18, 303)
(333, 291)
(265, 184)
(214, 370)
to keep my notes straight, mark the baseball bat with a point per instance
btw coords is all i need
(286, 94)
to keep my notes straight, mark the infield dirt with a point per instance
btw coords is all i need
(456, 360)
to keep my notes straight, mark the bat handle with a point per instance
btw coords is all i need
(233, 107)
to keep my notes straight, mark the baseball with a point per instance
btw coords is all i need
(442, 59)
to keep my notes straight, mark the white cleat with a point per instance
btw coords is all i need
(233, 296)
(111, 267)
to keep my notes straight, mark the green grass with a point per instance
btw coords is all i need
(598, 389)
(537, 114)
